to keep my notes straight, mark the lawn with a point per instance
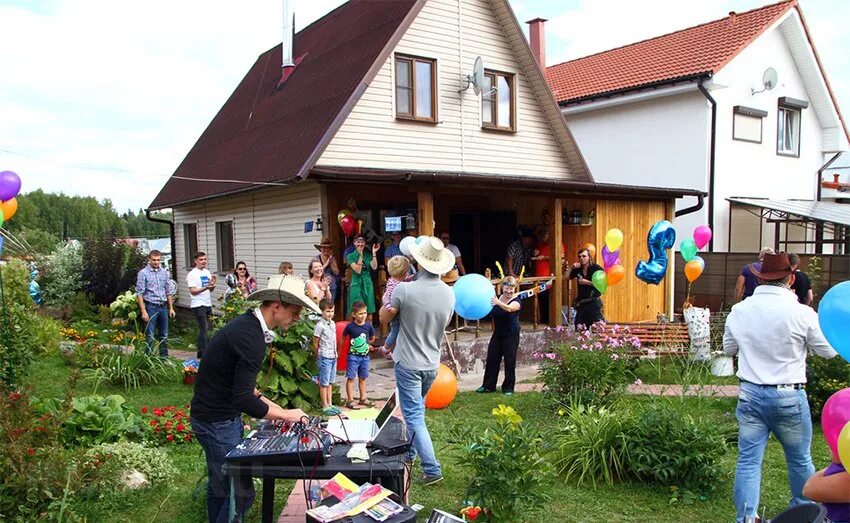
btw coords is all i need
(185, 501)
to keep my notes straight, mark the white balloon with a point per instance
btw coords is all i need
(405, 244)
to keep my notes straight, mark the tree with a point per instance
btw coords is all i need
(108, 271)
(138, 225)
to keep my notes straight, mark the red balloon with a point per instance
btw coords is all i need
(348, 224)
(343, 343)
(444, 389)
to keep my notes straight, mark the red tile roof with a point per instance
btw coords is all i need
(262, 135)
(687, 53)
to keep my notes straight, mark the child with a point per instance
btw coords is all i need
(285, 268)
(399, 269)
(324, 345)
(362, 335)
(831, 488)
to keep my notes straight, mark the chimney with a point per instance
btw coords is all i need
(537, 39)
(732, 15)
(287, 64)
(836, 178)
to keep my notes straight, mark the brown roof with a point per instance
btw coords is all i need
(253, 140)
(688, 53)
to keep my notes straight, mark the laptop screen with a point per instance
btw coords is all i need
(387, 411)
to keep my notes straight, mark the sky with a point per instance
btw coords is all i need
(104, 98)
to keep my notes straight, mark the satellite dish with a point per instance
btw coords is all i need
(769, 78)
(476, 79)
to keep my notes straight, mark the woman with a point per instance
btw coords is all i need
(362, 263)
(329, 263)
(588, 305)
(831, 487)
(245, 283)
(318, 286)
(505, 339)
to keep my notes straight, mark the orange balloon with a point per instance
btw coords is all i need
(9, 208)
(616, 273)
(693, 270)
(444, 389)
(590, 249)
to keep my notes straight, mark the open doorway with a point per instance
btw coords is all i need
(482, 237)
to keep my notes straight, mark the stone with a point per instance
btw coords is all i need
(133, 479)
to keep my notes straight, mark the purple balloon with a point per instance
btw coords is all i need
(609, 258)
(10, 185)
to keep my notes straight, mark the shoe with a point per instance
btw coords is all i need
(366, 403)
(427, 480)
(508, 393)
(482, 390)
(330, 411)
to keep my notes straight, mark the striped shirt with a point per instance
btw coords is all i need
(152, 285)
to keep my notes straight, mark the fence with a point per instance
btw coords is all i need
(715, 289)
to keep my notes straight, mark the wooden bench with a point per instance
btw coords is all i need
(671, 338)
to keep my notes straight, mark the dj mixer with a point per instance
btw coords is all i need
(280, 443)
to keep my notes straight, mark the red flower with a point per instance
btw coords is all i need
(187, 437)
(168, 425)
(14, 396)
(153, 423)
(170, 437)
(180, 427)
(181, 413)
(158, 412)
(31, 451)
(144, 410)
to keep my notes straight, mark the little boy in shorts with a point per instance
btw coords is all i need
(324, 345)
(362, 335)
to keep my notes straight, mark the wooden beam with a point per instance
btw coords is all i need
(556, 239)
(426, 213)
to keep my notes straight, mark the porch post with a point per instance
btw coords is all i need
(426, 213)
(556, 239)
(670, 277)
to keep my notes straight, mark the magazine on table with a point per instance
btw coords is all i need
(366, 496)
(384, 510)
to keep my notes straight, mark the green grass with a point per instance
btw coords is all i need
(679, 370)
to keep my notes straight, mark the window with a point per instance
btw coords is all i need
(415, 88)
(497, 102)
(190, 243)
(788, 132)
(747, 124)
(224, 246)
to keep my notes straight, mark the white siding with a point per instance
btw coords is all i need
(453, 32)
(268, 228)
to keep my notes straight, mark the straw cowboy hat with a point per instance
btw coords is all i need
(285, 288)
(326, 242)
(773, 267)
(432, 255)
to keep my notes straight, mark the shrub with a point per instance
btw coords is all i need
(63, 274)
(509, 471)
(110, 268)
(20, 342)
(132, 370)
(126, 308)
(89, 354)
(45, 331)
(824, 378)
(284, 373)
(169, 425)
(16, 283)
(80, 308)
(587, 366)
(95, 419)
(125, 457)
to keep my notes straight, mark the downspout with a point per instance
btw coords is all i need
(173, 244)
(711, 155)
(692, 208)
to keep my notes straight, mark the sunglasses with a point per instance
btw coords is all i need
(241, 269)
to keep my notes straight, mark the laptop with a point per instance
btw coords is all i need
(363, 431)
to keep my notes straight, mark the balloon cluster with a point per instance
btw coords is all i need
(661, 236)
(835, 422)
(348, 222)
(614, 270)
(694, 265)
(10, 186)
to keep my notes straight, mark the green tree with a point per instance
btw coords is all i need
(67, 216)
(138, 225)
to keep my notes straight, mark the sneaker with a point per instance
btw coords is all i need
(508, 393)
(427, 480)
(330, 411)
(482, 390)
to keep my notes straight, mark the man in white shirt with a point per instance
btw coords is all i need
(201, 282)
(771, 333)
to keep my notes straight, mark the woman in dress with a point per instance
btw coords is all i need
(505, 339)
(588, 304)
(245, 283)
(318, 286)
(329, 264)
(362, 263)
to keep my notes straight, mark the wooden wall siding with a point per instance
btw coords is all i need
(453, 32)
(268, 228)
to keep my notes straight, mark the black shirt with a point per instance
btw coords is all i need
(228, 372)
(505, 323)
(586, 291)
(801, 286)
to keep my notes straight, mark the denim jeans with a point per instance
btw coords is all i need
(413, 385)
(217, 439)
(393, 334)
(157, 321)
(202, 316)
(761, 410)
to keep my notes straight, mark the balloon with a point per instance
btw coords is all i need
(9, 208)
(844, 445)
(833, 418)
(615, 273)
(348, 224)
(342, 214)
(661, 237)
(10, 185)
(472, 296)
(343, 343)
(702, 235)
(591, 249)
(443, 390)
(600, 281)
(405, 244)
(688, 249)
(1, 245)
(694, 268)
(609, 258)
(613, 239)
(834, 318)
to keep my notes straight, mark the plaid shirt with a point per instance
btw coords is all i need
(152, 285)
(520, 255)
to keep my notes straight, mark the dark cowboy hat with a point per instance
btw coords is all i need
(773, 267)
(326, 242)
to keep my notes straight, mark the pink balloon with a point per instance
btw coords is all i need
(836, 413)
(702, 235)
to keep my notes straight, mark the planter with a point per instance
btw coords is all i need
(189, 379)
(722, 366)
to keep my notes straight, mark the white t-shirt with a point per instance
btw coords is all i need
(199, 278)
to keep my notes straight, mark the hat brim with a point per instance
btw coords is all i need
(319, 246)
(770, 276)
(441, 266)
(284, 297)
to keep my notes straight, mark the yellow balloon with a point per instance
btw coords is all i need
(844, 445)
(9, 208)
(613, 239)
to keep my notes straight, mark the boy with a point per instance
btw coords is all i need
(362, 335)
(324, 345)
(398, 267)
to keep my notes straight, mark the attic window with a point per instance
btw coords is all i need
(415, 88)
(747, 124)
(498, 102)
(788, 132)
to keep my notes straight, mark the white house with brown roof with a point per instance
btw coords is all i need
(736, 107)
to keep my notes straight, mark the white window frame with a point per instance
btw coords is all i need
(782, 123)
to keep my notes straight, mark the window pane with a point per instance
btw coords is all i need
(486, 100)
(403, 100)
(780, 130)
(504, 94)
(402, 73)
(225, 245)
(423, 90)
(190, 243)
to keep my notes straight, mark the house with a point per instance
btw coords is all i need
(372, 111)
(739, 107)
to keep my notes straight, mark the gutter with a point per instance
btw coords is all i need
(173, 241)
(693, 208)
(711, 157)
(633, 88)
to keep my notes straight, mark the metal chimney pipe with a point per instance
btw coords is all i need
(288, 30)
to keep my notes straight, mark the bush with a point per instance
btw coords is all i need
(94, 420)
(587, 366)
(63, 275)
(284, 373)
(46, 332)
(16, 283)
(110, 268)
(19, 345)
(132, 370)
(89, 353)
(80, 308)
(824, 378)
(509, 471)
(126, 457)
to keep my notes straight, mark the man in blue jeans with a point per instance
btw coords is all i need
(155, 302)
(771, 333)
(424, 308)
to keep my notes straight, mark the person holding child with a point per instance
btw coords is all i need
(399, 269)
(362, 335)
(362, 263)
(505, 339)
(324, 345)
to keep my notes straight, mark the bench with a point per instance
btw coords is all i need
(672, 337)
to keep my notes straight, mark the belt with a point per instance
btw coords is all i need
(157, 304)
(795, 386)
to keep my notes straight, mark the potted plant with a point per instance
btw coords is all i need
(190, 373)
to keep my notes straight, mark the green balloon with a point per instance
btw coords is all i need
(688, 249)
(600, 281)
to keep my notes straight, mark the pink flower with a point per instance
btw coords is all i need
(559, 328)
(598, 345)
(551, 355)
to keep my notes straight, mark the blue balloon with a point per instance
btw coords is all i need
(472, 296)
(661, 237)
(834, 318)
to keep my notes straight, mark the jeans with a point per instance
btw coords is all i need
(327, 371)
(217, 439)
(501, 346)
(157, 321)
(202, 316)
(393, 334)
(761, 410)
(357, 366)
(413, 385)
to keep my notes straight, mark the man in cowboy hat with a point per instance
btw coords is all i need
(226, 386)
(424, 307)
(770, 333)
